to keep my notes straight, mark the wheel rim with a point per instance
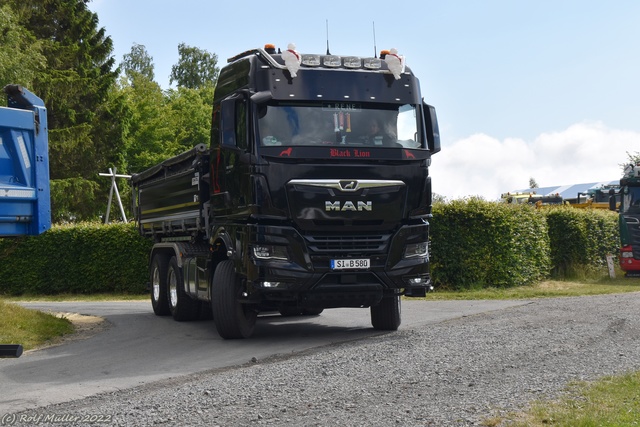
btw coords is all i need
(156, 285)
(173, 289)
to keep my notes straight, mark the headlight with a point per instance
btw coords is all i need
(270, 252)
(414, 250)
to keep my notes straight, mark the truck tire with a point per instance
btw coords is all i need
(233, 319)
(181, 305)
(385, 316)
(158, 279)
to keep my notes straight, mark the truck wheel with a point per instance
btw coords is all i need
(232, 319)
(181, 305)
(158, 277)
(312, 311)
(386, 315)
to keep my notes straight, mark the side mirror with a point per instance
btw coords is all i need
(612, 200)
(261, 97)
(433, 132)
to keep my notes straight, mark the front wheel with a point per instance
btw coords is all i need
(385, 316)
(232, 318)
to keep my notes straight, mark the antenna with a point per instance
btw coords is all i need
(328, 37)
(375, 49)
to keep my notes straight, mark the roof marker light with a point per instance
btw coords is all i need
(372, 63)
(331, 61)
(311, 60)
(352, 62)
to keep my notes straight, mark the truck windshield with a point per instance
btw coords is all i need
(328, 123)
(631, 199)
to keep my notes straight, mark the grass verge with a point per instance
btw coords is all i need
(546, 289)
(608, 402)
(31, 328)
(76, 297)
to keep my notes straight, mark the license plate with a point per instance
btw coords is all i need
(348, 264)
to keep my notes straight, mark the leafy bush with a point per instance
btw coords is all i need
(477, 244)
(81, 258)
(581, 238)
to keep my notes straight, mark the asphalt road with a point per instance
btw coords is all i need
(139, 347)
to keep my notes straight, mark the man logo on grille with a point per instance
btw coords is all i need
(359, 206)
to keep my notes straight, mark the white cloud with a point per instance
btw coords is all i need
(481, 165)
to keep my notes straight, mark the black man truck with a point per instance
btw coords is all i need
(314, 194)
(629, 218)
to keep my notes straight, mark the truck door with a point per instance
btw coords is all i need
(235, 159)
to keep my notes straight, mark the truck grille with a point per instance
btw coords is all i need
(325, 244)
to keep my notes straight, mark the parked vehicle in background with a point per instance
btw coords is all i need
(630, 220)
(25, 206)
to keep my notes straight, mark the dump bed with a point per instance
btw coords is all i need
(25, 207)
(170, 198)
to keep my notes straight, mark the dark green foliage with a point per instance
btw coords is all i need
(86, 117)
(20, 53)
(477, 244)
(581, 237)
(83, 258)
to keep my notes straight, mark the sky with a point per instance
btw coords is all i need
(544, 89)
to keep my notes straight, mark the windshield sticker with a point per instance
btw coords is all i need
(341, 106)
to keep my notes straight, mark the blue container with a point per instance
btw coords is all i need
(25, 205)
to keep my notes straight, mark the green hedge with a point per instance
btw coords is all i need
(81, 258)
(581, 238)
(476, 244)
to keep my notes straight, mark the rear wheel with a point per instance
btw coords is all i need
(232, 319)
(181, 305)
(386, 315)
(158, 277)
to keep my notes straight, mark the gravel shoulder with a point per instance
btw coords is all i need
(454, 373)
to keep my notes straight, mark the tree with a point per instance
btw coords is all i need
(196, 68)
(138, 61)
(20, 53)
(164, 124)
(85, 124)
(533, 183)
(149, 138)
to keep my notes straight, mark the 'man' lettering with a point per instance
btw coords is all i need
(348, 206)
